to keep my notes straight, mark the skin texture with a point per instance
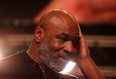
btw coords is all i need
(57, 40)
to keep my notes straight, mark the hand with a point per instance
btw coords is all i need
(83, 51)
(86, 64)
(83, 48)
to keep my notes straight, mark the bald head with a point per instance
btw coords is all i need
(56, 17)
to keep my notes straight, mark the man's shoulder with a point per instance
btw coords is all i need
(13, 62)
(19, 65)
(14, 57)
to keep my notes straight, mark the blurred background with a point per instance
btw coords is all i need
(97, 20)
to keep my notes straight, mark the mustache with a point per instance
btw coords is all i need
(66, 55)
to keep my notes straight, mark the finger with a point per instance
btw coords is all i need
(83, 49)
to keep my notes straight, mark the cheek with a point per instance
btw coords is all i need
(55, 44)
(55, 49)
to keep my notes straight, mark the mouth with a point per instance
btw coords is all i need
(63, 56)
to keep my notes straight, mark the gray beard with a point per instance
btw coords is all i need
(46, 57)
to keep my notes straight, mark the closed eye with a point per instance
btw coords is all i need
(62, 38)
(76, 41)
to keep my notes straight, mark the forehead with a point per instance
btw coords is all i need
(63, 25)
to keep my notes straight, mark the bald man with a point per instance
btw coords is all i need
(57, 40)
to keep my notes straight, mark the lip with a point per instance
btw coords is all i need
(64, 60)
(66, 57)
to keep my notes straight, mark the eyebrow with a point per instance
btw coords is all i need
(64, 34)
(69, 36)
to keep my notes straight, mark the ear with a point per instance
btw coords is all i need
(38, 34)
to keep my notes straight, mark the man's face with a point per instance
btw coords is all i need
(59, 45)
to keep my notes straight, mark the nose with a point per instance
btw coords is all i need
(69, 47)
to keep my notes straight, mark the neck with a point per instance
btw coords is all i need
(34, 55)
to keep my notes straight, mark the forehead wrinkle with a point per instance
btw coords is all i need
(68, 35)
